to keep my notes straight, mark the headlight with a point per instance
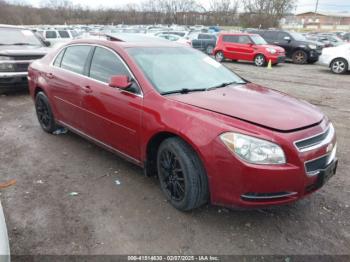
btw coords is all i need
(312, 46)
(254, 150)
(5, 58)
(5, 67)
(271, 50)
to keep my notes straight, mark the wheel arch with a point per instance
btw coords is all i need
(152, 146)
(339, 57)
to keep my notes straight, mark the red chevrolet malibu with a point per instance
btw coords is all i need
(208, 134)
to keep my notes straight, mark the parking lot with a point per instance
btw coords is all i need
(119, 211)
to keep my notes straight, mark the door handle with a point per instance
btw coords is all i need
(87, 89)
(50, 75)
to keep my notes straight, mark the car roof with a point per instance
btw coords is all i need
(13, 27)
(247, 34)
(127, 44)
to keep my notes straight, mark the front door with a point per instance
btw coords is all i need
(112, 116)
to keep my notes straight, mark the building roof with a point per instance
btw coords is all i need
(332, 14)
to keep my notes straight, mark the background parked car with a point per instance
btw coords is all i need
(297, 47)
(4, 242)
(248, 47)
(56, 36)
(175, 38)
(346, 37)
(204, 42)
(336, 58)
(329, 40)
(18, 48)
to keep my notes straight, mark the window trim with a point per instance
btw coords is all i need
(90, 59)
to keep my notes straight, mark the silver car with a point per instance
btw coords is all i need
(4, 242)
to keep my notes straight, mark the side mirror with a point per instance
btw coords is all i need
(120, 81)
(287, 38)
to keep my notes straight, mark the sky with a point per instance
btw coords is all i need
(303, 5)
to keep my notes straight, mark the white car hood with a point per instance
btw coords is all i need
(4, 243)
(342, 50)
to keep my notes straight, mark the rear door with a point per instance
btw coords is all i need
(113, 116)
(67, 81)
(230, 46)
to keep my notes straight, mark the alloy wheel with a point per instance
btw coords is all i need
(259, 60)
(300, 57)
(338, 66)
(171, 176)
(43, 113)
(219, 56)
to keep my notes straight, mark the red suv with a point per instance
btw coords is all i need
(248, 47)
(205, 132)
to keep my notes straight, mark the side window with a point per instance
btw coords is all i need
(58, 59)
(51, 34)
(106, 64)
(230, 38)
(270, 35)
(63, 34)
(74, 58)
(204, 37)
(281, 35)
(243, 39)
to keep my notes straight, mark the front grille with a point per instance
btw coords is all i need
(316, 141)
(21, 67)
(313, 167)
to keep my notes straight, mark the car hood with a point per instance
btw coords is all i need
(310, 42)
(337, 49)
(256, 104)
(14, 50)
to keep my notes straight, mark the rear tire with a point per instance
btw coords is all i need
(182, 177)
(44, 113)
(299, 57)
(219, 56)
(339, 66)
(210, 50)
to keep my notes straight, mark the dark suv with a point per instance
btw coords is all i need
(298, 48)
(18, 48)
(203, 42)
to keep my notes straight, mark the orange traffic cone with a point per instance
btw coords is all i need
(269, 65)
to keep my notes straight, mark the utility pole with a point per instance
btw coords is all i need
(316, 8)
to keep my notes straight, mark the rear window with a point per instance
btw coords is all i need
(63, 34)
(74, 58)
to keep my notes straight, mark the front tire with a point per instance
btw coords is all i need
(181, 174)
(260, 60)
(44, 113)
(299, 57)
(339, 66)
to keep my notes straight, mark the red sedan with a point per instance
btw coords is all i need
(248, 47)
(205, 132)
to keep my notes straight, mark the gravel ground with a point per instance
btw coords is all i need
(131, 217)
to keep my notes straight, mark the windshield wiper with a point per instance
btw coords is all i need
(183, 91)
(223, 85)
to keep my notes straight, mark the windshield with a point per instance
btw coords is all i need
(298, 37)
(175, 68)
(10, 36)
(258, 40)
